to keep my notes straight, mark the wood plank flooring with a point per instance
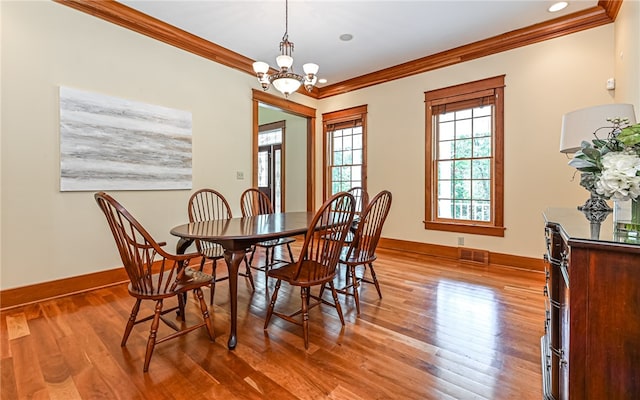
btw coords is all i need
(443, 330)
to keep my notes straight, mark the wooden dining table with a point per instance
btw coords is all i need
(236, 235)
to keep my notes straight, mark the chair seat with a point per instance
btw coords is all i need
(358, 256)
(192, 279)
(275, 242)
(309, 270)
(347, 240)
(213, 252)
(216, 252)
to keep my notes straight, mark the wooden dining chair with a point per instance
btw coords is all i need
(254, 202)
(207, 205)
(154, 275)
(317, 263)
(362, 250)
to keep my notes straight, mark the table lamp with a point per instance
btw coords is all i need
(583, 124)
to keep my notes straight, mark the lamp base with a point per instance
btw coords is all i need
(596, 210)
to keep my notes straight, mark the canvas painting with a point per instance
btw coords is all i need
(109, 143)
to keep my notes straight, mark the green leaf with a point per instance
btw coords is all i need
(630, 135)
(579, 163)
(630, 140)
(591, 153)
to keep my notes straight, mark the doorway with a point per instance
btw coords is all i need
(296, 155)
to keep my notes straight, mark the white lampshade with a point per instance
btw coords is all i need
(284, 61)
(580, 125)
(310, 68)
(286, 86)
(260, 67)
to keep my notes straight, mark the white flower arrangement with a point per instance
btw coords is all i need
(610, 168)
(619, 180)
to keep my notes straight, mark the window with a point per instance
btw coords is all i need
(345, 150)
(464, 158)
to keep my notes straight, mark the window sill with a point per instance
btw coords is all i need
(466, 228)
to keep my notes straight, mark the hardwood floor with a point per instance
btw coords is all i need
(443, 330)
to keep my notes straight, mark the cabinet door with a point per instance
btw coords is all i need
(612, 324)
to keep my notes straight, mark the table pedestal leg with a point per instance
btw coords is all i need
(233, 259)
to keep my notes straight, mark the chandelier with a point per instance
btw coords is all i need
(286, 81)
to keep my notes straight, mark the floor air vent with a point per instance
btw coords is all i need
(473, 255)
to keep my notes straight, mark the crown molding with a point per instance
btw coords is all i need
(571, 23)
(109, 10)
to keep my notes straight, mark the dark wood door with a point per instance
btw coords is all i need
(270, 173)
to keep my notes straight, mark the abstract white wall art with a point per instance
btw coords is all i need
(108, 143)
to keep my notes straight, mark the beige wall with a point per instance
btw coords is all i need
(627, 55)
(47, 235)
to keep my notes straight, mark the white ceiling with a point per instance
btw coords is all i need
(385, 33)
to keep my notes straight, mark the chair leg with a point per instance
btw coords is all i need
(304, 294)
(336, 302)
(267, 263)
(253, 253)
(213, 281)
(203, 259)
(272, 303)
(322, 288)
(290, 253)
(375, 279)
(151, 342)
(182, 300)
(205, 313)
(356, 283)
(248, 273)
(130, 322)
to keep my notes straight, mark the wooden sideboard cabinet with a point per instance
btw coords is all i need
(591, 345)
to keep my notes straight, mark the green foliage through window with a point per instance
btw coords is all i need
(464, 143)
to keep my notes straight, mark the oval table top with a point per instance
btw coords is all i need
(256, 228)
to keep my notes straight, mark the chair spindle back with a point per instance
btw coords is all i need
(325, 237)
(138, 250)
(207, 205)
(254, 202)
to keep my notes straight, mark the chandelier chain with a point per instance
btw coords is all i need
(286, 20)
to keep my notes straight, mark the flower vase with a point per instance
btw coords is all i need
(626, 218)
(635, 212)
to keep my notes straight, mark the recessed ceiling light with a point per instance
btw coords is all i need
(345, 37)
(561, 5)
(322, 80)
